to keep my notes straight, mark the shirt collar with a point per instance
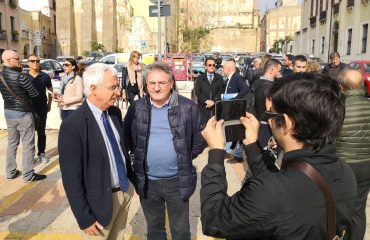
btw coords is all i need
(97, 112)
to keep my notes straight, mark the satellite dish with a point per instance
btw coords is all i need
(156, 1)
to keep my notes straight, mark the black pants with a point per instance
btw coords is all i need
(361, 171)
(162, 194)
(41, 136)
(132, 91)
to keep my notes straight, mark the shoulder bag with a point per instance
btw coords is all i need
(318, 179)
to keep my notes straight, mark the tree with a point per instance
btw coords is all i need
(192, 37)
(96, 46)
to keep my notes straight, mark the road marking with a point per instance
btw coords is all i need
(11, 199)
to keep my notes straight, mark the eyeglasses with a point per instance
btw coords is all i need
(211, 65)
(160, 84)
(34, 61)
(111, 88)
(269, 115)
(66, 65)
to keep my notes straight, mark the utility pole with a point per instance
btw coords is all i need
(159, 29)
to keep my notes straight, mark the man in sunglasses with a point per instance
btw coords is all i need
(305, 113)
(17, 92)
(42, 104)
(208, 88)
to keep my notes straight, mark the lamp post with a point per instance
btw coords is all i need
(331, 16)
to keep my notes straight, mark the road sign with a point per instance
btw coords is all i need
(165, 10)
(143, 44)
(36, 38)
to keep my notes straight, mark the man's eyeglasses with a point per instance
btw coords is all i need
(269, 115)
(160, 84)
(34, 61)
(211, 65)
(112, 88)
(66, 65)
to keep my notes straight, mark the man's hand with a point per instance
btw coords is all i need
(213, 134)
(252, 126)
(94, 229)
(209, 103)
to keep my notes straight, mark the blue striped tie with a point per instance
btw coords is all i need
(121, 170)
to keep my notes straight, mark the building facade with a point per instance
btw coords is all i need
(9, 25)
(341, 26)
(280, 23)
(233, 24)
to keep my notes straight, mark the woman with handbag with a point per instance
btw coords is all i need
(133, 78)
(71, 89)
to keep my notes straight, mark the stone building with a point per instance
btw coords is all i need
(280, 22)
(329, 26)
(9, 25)
(233, 24)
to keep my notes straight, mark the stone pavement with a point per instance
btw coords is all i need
(40, 210)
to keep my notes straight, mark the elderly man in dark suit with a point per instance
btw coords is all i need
(208, 88)
(96, 169)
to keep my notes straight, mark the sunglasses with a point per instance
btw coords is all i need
(211, 65)
(66, 65)
(269, 115)
(34, 61)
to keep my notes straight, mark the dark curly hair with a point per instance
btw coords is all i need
(315, 104)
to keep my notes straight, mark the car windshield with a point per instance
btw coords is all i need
(198, 59)
(367, 68)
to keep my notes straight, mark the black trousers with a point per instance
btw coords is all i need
(358, 221)
(132, 91)
(162, 194)
(41, 136)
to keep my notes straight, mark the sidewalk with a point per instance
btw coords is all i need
(40, 210)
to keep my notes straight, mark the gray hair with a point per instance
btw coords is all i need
(158, 66)
(94, 75)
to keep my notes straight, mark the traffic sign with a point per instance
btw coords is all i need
(165, 10)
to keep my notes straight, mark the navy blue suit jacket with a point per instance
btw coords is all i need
(85, 167)
(237, 85)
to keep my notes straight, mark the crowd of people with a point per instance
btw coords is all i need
(314, 186)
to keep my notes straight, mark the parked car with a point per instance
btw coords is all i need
(50, 66)
(115, 58)
(198, 65)
(95, 56)
(61, 59)
(364, 67)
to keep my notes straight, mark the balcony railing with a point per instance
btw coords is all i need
(2, 35)
(350, 3)
(15, 38)
(336, 8)
(322, 16)
(312, 20)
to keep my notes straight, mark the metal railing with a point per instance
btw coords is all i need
(350, 3)
(312, 20)
(2, 35)
(335, 8)
(322, 15)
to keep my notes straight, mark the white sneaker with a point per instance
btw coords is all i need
(43, 159)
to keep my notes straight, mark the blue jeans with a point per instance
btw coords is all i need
(238, 150)
(161, 194)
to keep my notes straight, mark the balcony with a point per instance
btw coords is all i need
(322, 16)
(312, 20)
(350, 3)
(2, 34)
(15, 37)
(335, 8)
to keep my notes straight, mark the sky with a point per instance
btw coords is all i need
(263, 4)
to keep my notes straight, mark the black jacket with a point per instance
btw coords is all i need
(85, 168)
(261, 87)
(275, 205)
(185, 123)
(22, 86)
(334, 71)
(205, 91)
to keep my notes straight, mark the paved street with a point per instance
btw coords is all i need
(40, 210)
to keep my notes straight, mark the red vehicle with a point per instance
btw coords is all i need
(364, 67)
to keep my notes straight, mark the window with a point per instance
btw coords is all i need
(12, 21)
(349, 41)
(322, 44)
(1, 21)
(313, 47)
(364, 37)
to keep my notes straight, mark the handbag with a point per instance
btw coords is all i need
(318, 179)
(36, 117)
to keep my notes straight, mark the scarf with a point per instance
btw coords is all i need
(66, 80)
(131, 68)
